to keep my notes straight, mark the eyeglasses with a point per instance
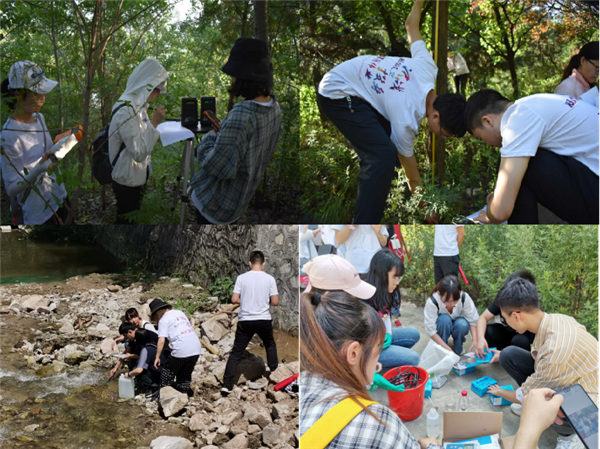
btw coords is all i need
(597, 68)
(397, 279)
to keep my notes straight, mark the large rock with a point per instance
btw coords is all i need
(258, 415)
(229, 418)
(106, 346)
(214, 329)
(280, 374)
(280, 411)
(66, 328)
(76, 358)
(238, 442)
(171, 443)
(251, 367)
(199, 422)
(226, 343)
(270, 434)
(33, 302)
(172, 401)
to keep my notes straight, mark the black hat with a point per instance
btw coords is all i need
(156, 305)
(249, 60)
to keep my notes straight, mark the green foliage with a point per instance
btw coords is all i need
(564, 260)
(222, 288)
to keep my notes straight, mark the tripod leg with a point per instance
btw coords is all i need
(177, 187)
(187, 161)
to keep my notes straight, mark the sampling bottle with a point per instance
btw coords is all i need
(463, 403)
(433, 423)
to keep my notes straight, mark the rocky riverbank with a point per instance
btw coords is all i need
(78, 320)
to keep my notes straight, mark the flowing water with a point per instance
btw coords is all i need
(24, 260)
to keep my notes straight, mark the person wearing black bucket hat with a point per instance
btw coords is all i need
(234, 160)
(185, 346)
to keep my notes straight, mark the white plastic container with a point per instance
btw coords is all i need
(433, 423)
(126, 387)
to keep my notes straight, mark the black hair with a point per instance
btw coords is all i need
(257, 257)
(249, 89)
(451, 108)
(381, 264)
(9, 96)
(588, 51)
(448, 284)
(518, 294)
(126, 327)
(484, 102)
(131, 313)
(144, 337)
(523, 274)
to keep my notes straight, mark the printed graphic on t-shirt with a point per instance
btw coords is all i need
(397, 76)
(182, 326)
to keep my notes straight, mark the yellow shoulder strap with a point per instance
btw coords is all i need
(331, 423)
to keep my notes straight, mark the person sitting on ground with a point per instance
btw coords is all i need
(147, 376)
(385, 273)
(255, 291)
(549, 149)
(378, 104)
(581, 73)
(563, 353)
(498, 335)
(450, 311)
(132, 316)
(132, 349)
(234, 159)
(185, 346)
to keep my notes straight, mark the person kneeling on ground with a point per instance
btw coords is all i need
(132, 316)
(549, 149)
(132, 350)
(234, 160)
(175, 326)
(563, 353)
(255, 291)
(147, 376)
(450, 311)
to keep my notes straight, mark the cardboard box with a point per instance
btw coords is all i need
(428, 387)
(480, 386)
(460, 426)
(497, 400)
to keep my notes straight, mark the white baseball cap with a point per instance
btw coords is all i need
(26, 74)
(331, 272)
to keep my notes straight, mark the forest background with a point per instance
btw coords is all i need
(518, 47)
(91, 47)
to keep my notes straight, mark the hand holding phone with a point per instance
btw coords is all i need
(214, 120)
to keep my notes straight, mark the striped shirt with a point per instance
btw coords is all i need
(565, 354)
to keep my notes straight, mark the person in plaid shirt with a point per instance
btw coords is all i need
(234, 159)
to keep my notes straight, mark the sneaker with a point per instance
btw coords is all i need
(516, 409)
(225, 391)
(570, 442)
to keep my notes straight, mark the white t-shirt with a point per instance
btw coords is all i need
(148, 326)
(175, 326)
(396, 87)
(445, 242)
(431, 312)
(564, 125)
(25, 149)
(361, 246)
(307, 244)
(457, 62)
(255, 289)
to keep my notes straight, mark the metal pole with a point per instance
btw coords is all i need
(187, 157)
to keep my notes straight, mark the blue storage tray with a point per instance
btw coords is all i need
(480, 386)
(497, 400)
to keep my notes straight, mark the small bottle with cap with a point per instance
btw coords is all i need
(433, 423)
(463, 403)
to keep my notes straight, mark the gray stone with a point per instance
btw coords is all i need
(259, 384)
(33, 302)
(106, 346)
(171, 443)
(280, 411)
(280, 374)
(66, 328)
(270, 434)
(31, 428)
(52, 307)
(102, 328)
(229, 418)
(76, 358)
(188, 285)
(172, 401)
(198, 422)
(238, 442)
(250, 367)
(253, 428)
(220, 438)
(114, 288)
(214, 329)
(258, 415)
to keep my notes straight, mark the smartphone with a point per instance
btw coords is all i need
(214, 120)
(582, 414)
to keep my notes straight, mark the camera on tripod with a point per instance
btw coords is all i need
(208, 118)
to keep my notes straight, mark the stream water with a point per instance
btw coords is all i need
(24, 260)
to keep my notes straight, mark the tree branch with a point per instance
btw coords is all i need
(80, 32)
(64, 58)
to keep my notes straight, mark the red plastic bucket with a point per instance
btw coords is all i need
(408, 405)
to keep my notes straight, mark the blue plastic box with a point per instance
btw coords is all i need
(470, 363)
(497, 400)
(428, 387)
(480, 386)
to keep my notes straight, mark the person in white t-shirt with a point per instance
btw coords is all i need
(362, 242)
(447, 241)
(185, 346)
(549, 149)
(28, 174)
(309, 239)
(255, 291)
(378, 104)
(458, 66)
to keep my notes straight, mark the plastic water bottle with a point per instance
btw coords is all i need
(433, 423)
(463, 403)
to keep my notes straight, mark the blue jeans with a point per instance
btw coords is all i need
(398, 353)
(459, 329)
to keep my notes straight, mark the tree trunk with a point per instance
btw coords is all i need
(513, 72)
(261, 25)
(398, 47)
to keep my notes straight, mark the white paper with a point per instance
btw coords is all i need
(63, 146)
(171, 132)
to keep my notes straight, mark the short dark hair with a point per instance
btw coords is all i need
(449, 284)
(523, 274)
(486, 101)
(257, 257)
(131, 313)
(518, 294)
(9, 96)
(126, 327)
(249, 89)
(452, 112)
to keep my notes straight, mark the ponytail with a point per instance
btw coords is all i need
(328, 324)
(588, 51)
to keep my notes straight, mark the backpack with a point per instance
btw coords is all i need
(462, 300)
(101, 166)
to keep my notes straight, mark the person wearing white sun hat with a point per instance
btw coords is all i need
(30, 177)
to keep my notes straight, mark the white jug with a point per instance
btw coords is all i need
(126, 387)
